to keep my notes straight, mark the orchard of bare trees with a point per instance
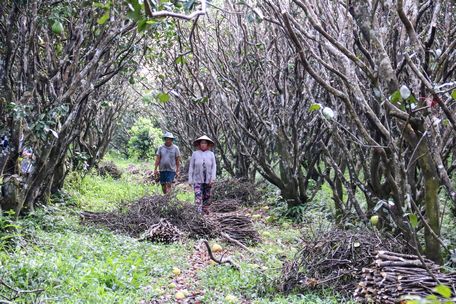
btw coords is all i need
(358, 97)
(60, 90)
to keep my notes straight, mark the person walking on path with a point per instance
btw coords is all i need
(201, 172)
(167, 160)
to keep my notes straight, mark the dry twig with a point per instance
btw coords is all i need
(334, 260)
(221, 261)
(392, 276)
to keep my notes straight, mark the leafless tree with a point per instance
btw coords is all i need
(258, 75)
(391, 65)
(241, 83)
(47, 82)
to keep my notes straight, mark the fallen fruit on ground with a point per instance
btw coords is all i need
(176, 271)
(285, 225)
(180, 295)
(374, 220)
(216, 248)
(172, 285)
(231, 299)
(256, 216)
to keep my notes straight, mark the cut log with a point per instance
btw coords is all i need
(393, 276)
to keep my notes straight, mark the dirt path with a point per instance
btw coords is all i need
(187, 282)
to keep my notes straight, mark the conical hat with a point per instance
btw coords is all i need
(204, 137)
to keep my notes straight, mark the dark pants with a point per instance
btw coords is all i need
(202, 196)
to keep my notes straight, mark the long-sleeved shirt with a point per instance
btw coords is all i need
(202, 167)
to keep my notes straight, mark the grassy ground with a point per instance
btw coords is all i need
(96, 193)
(72, 263)
(260, 272)
(77, 264)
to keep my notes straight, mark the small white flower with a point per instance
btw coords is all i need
(438, 52)
(405, 92)
(328, 113)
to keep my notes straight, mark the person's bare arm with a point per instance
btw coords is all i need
(157, 163)
(177, 165)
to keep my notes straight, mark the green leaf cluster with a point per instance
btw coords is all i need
(145, 138)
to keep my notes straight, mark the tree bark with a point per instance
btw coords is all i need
(431, 203)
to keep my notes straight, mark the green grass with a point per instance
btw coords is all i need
(184, 195)
(260, 273)
(73, 263)
(98, 193)
(77, 264)
(123, 163)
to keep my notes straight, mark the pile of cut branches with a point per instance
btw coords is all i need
(132, 169)
(109, 168)
(393, 275)
(143, 175)
(247, 193)
(236, 226)
(137, 217)
(225, 206)
(162, 232)
(334, 259)
(160, 218)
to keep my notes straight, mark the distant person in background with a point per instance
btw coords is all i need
(27, 161)
(167, 160)
(201, 173)
(4, 143)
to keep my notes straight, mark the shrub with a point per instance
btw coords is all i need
(144, 140)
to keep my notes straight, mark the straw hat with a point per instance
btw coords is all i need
(204, 137)
(168, 135)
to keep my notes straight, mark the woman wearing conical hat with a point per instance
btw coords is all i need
(201, 173)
